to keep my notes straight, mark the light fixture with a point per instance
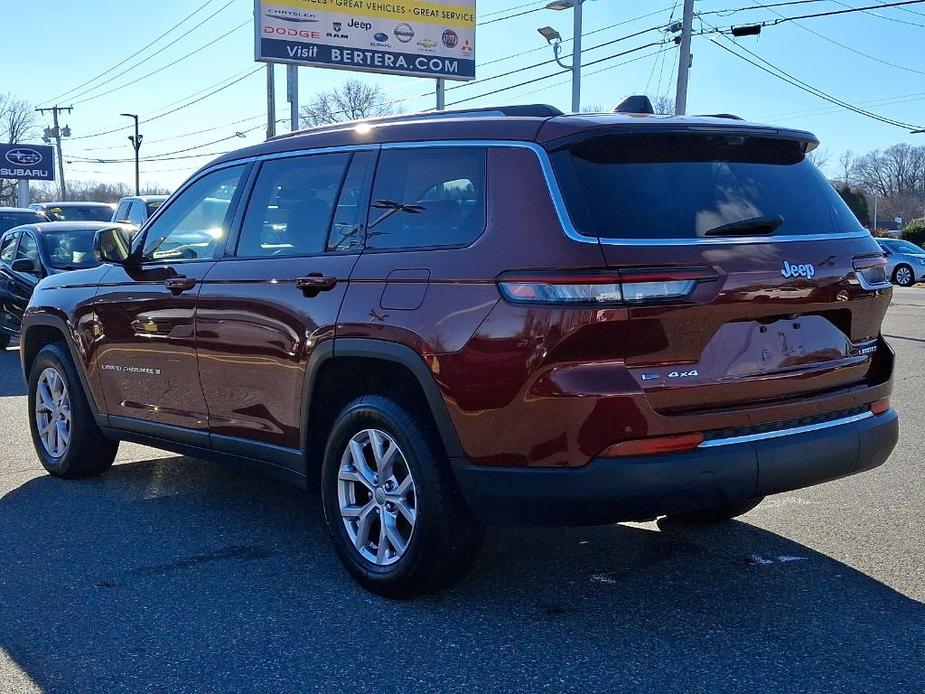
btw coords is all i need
(550, 34)
(561, 5)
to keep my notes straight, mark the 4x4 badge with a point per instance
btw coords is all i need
(806, 270)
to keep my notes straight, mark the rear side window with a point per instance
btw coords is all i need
(685, 185)
(8, 247)
(291, 207)
(424, 198)
(28, 248)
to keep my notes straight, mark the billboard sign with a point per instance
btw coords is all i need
(31, 162)
(430, 38)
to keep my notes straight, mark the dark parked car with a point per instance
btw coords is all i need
(75, 211)
(136, 210)
(499, 316)
(29, 253)
(15, 216)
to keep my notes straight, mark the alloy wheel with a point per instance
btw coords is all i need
(53, 413)
(377, 496)
(904, 276)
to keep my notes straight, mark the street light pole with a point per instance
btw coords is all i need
(136, 145)
(553, 37)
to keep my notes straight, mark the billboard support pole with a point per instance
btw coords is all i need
(441, 94)
(271, 101)
(23, 198)
(292, 90)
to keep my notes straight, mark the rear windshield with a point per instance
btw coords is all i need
(79, 213)
(685, 185)
(8, 220)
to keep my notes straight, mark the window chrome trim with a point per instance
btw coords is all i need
(558, 199)
(749, 438)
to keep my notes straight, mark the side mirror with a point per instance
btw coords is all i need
(112, 246)
(25, 265)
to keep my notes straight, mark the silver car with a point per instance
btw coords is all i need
(905, 261)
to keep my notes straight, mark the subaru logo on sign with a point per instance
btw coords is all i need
(381, 37)
(23, 156)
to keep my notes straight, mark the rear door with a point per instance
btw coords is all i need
(22, 284)
(7, 255)
(745, 275)
(266, 307)
(146, 354)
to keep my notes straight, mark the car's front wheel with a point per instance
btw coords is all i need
(64, 433)
(399, 522)
(903, 276)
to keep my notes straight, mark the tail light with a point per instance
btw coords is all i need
(602, 288)
(871, 272)
(654, 445)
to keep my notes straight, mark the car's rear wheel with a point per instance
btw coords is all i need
(398, 521)
(717, 514)
(903, 276)
(64, 433)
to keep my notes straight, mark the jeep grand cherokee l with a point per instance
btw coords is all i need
(501, 316)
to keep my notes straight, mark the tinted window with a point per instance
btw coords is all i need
(8, 220)
(136, 213)
(8, 247)
(195, 225)
(28, 248)
(69, 250)
(350, 215)
(668, 186)
(427, 197)
(290, 209)
(79, 213)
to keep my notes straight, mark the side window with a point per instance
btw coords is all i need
(136, 213)
(8, 247)
(28, 248)
(290, 209)
(121, 212)
(350, 214)
(427, 198)
(195, 225)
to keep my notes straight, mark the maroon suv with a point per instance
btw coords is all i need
(501, 316)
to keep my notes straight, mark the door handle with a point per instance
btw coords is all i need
(178, 285)
(314, 283)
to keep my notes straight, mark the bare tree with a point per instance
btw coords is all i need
(663, 105)
(846, 160)
(17, 124)
(819, 157)
(353, 100)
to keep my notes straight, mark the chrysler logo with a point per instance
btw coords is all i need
(23, 156)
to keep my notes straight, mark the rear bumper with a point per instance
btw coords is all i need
(608, 490)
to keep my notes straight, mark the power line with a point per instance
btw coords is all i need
(777, 72)
(883, 16)
(134, 54)
(157, 52)
(510, 16)
(830, 13)
(509, 9)
(201, 48)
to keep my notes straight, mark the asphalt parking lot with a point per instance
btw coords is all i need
(173, 574)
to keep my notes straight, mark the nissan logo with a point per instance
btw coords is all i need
(23, 156)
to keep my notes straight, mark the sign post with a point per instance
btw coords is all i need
(421, 38)
(26, 163)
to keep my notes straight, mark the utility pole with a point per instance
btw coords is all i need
(441, 94)
(576, 58)
(684, 58)
(271, 102)
(136, 145)
(292, 91)
(55, 133)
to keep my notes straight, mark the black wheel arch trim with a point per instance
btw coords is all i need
(32, 320)
(366, 348)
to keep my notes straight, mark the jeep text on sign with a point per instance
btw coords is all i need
(429, 38)
(32, 162)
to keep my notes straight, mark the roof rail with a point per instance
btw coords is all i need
(731, 116)
(523, 110)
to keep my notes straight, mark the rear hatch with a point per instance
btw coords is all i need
(746, 277)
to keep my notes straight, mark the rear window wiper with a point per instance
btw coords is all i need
(756, 225)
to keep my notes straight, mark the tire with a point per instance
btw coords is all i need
(904, 276)
(444, 539)
(717, 514)
(85, 452)
(5, 341)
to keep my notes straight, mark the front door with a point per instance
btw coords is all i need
(7, 255)
(275, 298)
(22, 284)
(146, 352)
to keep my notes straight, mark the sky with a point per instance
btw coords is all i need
(868, 59)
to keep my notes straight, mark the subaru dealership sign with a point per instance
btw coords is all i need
(430, 38)
(32, 162)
